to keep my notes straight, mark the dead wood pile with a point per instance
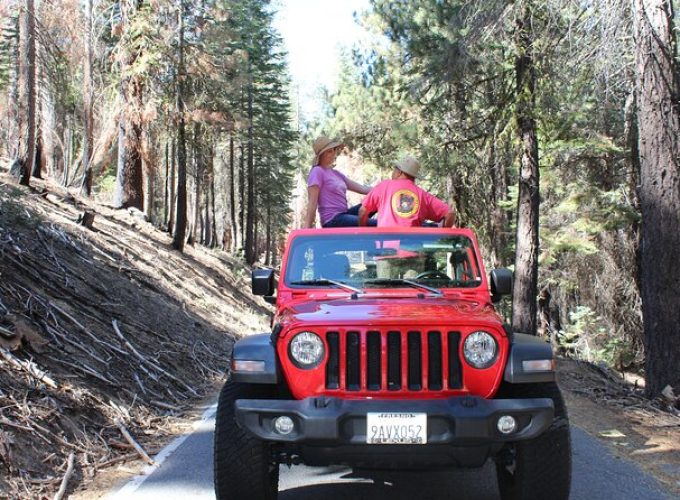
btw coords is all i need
(106, 335)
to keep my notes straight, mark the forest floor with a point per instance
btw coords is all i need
(108, 331)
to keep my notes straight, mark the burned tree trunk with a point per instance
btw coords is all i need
(658, 91)
(526, 258)
(27, 90)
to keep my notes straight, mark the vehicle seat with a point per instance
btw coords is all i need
(333, 267)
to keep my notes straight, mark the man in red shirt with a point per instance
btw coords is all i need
(399, 202)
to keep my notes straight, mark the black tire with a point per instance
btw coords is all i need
(244, 467)
(541, 467)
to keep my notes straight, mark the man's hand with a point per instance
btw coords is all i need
(449, 219)
(363, 216)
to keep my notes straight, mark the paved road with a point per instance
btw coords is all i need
(186, 474)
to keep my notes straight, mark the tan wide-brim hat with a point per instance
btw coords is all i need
(409, 165)
(323, 144)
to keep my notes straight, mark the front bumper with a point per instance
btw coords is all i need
(458, 421)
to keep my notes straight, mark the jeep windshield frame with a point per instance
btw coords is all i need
(370, 259)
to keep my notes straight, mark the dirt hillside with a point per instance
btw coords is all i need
(103, 331)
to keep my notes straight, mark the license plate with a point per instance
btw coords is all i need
(396, 428)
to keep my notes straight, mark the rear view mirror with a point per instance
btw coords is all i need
(500, 282)
(263, 281)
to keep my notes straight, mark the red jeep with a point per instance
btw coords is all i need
(386, 352)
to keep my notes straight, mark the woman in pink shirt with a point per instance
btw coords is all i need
(327, 189)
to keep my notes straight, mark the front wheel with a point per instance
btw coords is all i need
(244, 467)
(539, 467)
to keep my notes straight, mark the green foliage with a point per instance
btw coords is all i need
(587, 337)
(107, 182)
(582, 335)
(618, 353)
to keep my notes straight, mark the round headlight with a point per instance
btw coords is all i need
(480, 349)
(306, 350)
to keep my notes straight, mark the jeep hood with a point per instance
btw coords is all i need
(390, 311)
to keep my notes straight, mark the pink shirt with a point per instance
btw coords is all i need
(332, 191)
(400, 202)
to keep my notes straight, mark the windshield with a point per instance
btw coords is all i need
(383, 261)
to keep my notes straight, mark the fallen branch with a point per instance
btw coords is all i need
(8, 334)
(85, 330)
(87, 370)
(144, 360)
(167, 406)
(115, 460)
(28, 367)
(134, 443)
(4, 421)
(67, 476)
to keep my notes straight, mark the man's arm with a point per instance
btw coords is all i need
(312, 204)
(449, 219)
(438, 210)
(363, 216)
(356, 187)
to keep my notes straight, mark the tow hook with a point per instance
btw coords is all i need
(288, 459)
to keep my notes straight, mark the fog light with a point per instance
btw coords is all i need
(284, 425)
(507, 424)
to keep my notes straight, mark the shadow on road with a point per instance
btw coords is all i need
(465, 484)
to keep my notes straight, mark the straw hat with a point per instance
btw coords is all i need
(409, 165)
(323, 144)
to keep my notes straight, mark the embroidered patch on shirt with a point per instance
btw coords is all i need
(405, 203)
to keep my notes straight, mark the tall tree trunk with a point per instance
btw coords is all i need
(165, 183)
(242, 196)
(181, 218)
(172, 201)
(275, 251)
(129, 191)
(205, 233)
(250, 252)
(14, 106)
(525, 290)
(39, 163)
(213, 228)
(498, 220)
(633, 179)
(149, 169)
(68, 153)
(658, 88)
(27, 89)
(232, 195)
(209, 214)
(195, 233)
(268, 237)
(86, 186)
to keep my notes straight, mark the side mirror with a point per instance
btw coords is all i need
(263, 282)
(500, 282)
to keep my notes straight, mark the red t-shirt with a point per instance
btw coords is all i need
(400, 202)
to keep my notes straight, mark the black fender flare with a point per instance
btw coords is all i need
(524, 347)
(258, 348)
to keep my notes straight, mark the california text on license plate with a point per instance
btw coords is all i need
(396, 428)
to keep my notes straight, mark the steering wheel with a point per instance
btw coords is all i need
(433, 274)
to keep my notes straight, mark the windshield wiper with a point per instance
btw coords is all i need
(401, 281)
(326, 282)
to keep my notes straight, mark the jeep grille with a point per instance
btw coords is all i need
(393, 360)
